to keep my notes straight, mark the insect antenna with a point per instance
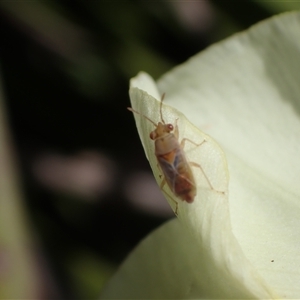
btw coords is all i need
(134, 111)
(160, 107)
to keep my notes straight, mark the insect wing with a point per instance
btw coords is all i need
(168, 163)
(178, 174)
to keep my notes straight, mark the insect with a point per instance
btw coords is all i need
(172, 160)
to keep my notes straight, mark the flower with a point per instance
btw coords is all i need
(240, 239)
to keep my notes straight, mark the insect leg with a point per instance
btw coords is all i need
(159, 168)
(163, 190)
(182, 144)
(193, 164)
(176, 130)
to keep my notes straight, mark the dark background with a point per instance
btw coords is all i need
(65, 69)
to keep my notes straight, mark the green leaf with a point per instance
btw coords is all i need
(19, 278)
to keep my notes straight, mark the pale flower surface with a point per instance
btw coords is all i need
(242, 239)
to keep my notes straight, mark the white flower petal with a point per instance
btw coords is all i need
(211, 246)
(168, 264)
(244, 92)
(253, 112)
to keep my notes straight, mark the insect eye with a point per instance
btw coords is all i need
(152, 135)
(170, 127)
